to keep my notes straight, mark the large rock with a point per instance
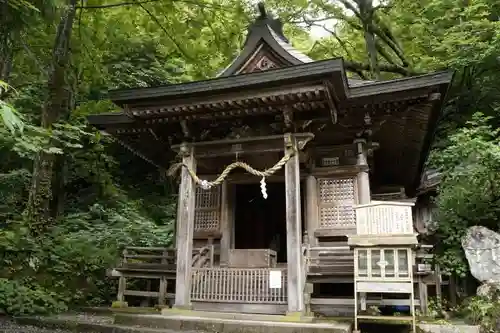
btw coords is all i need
(490, 290)
(482, 250)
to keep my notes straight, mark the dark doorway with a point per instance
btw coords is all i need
(261, 223)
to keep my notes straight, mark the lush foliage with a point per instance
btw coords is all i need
(470, 189)
(71, 198)
(483, 311)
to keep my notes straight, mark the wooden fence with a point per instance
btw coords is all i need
(238, 285)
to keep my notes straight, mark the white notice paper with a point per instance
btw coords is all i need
(275, 279)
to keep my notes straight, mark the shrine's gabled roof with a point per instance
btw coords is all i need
(270, 77)
(266, 42)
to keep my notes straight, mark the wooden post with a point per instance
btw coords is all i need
(422, 296)
(363, 183)
(210, 245)
(122, 285)
(122, 281)
(363, 178)
(185, 226)
(293, 229)
(232, 215)
(453, 290)
(311, 209)
(225, 226)
(162, 292)
(438, 280)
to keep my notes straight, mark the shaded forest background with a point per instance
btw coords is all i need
(70, 198)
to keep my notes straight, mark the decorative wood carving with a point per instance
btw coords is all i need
(264, 64)
(263, 60)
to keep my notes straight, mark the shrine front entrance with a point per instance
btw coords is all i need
(261, 223)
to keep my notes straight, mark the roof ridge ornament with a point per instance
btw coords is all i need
(262, 9)
(267, 18)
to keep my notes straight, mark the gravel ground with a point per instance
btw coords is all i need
(9, 326)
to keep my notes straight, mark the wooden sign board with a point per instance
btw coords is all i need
(275, 279)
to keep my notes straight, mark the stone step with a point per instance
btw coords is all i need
(80, 327)
(209, 324)
(238, 316)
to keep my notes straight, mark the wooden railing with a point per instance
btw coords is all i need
(147, 259)
(384, 218)
(147, 263)
(155, 263)
(237, 285)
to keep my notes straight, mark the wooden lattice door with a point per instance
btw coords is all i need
(337, 198)
(207, 210)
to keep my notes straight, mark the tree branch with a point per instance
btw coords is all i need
(135, 3)
(118, 4)
(355, 66)
(169, 35)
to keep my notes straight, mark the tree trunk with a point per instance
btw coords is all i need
(38, 211)
(366, 12)
(60, 173)
(6, 52)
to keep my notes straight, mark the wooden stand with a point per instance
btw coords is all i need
(383, 270)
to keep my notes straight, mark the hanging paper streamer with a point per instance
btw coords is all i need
(205, 185)
(263, 187)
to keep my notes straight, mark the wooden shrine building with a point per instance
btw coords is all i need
(350, 154)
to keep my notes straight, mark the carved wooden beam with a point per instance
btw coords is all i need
(251, 145)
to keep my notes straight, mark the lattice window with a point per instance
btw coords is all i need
(207, 212)
(337, 196)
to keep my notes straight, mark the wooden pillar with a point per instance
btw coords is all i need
(364, 196)
(185, 226)
(225, 223)
(363, 178)
(423, 295)
(311, 209)
(438, 281)
(293, 229)
(232, 215)
(453, 290)
(122, 286)
(122, 282)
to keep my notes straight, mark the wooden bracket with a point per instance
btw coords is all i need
(289, 141)
(331, 102)
(288, 118)
(185, 129)
(302, 140)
